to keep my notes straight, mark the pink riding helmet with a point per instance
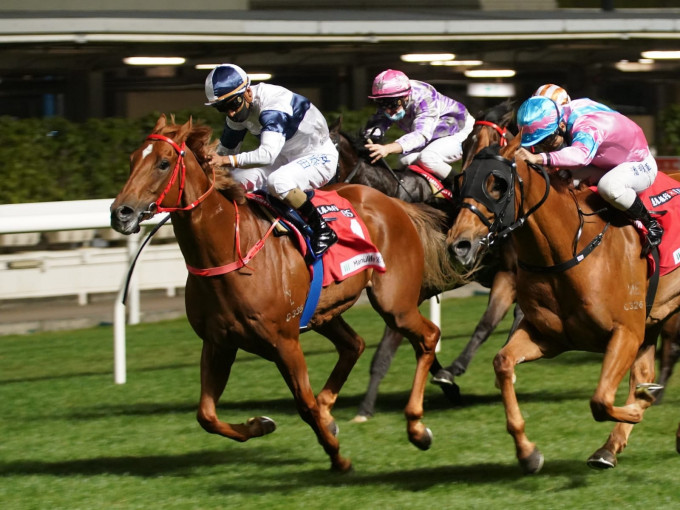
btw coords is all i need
(390, 83)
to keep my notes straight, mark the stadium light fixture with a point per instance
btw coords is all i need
(154, 61)
(661, 54)
(490, 73)
(427, 57)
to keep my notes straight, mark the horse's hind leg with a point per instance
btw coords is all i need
(293, 368)
(349, 346)
(670, 351)
(641, 394)
(216, 363)
(380, 364)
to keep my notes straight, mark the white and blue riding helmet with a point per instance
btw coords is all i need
(224, 82)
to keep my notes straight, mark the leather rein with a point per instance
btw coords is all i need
(180, 171)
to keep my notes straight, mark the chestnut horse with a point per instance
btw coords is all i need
(499, 267)
(582, 285)
(260, 282)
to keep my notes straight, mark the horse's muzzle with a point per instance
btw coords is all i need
(126, 220)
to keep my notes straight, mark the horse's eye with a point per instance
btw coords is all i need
(164, 164)
(496, 187)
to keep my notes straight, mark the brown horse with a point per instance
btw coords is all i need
(499, 267)
(575, 294)
(256, 306)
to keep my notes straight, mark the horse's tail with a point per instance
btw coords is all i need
(440, 271)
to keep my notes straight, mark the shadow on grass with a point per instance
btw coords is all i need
(152, 465)
(419, 479)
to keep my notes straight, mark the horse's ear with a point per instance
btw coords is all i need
(184, 130)
(336, 126)
(509, 150)
(160, 124)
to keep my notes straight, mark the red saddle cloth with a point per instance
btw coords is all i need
(664, 196)
(354, 251)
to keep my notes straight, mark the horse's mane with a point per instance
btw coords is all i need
(357, 142)
(502, 114)
(200, 143)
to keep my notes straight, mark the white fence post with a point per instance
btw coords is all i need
(436, 317)
(79, 215)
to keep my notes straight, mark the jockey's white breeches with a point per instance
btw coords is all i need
(439, 154)
(308, 172)
(620, 185)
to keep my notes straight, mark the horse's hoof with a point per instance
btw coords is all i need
(442, 378)
(425, 442)
(342, 466)
(533, 463)
(648, 390)
(334, 429)
(263, 425)
(359, 418)
(602, 459)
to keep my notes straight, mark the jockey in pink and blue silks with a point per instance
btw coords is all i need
(585, 133)
(435, 125)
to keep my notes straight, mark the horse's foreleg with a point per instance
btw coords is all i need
(423, 335)
(501, 297)
(349, 346)
(519, 349)
(640, 394)
(216, 363)
(380, 364)
(293, 368)
(620, 355)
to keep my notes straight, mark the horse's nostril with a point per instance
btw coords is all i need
(462, 248)
(123, 212)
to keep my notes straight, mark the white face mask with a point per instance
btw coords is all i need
(397, 116)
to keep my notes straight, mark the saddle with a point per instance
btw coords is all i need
(438, 189)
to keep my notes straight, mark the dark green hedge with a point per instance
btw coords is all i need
(53, 159)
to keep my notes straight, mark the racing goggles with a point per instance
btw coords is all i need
(231, 105)
(389, 103)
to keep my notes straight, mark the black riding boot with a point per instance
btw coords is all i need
(323, 236)
(638, 211)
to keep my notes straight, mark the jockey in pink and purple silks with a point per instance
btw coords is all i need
(584, 133)
(435, 125)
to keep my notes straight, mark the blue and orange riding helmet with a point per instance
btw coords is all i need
(537, 118)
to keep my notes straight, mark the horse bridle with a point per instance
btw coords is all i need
(181, 171)
(502, 131)
(502, 226)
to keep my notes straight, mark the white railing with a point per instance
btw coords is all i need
(84, 271)
(49, 273)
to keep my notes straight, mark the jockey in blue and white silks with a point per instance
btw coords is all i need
(435, 125)
(295, 153)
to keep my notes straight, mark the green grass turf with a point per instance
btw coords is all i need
(72, 439)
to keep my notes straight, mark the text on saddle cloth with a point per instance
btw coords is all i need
(662, 199)
(354, 251)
